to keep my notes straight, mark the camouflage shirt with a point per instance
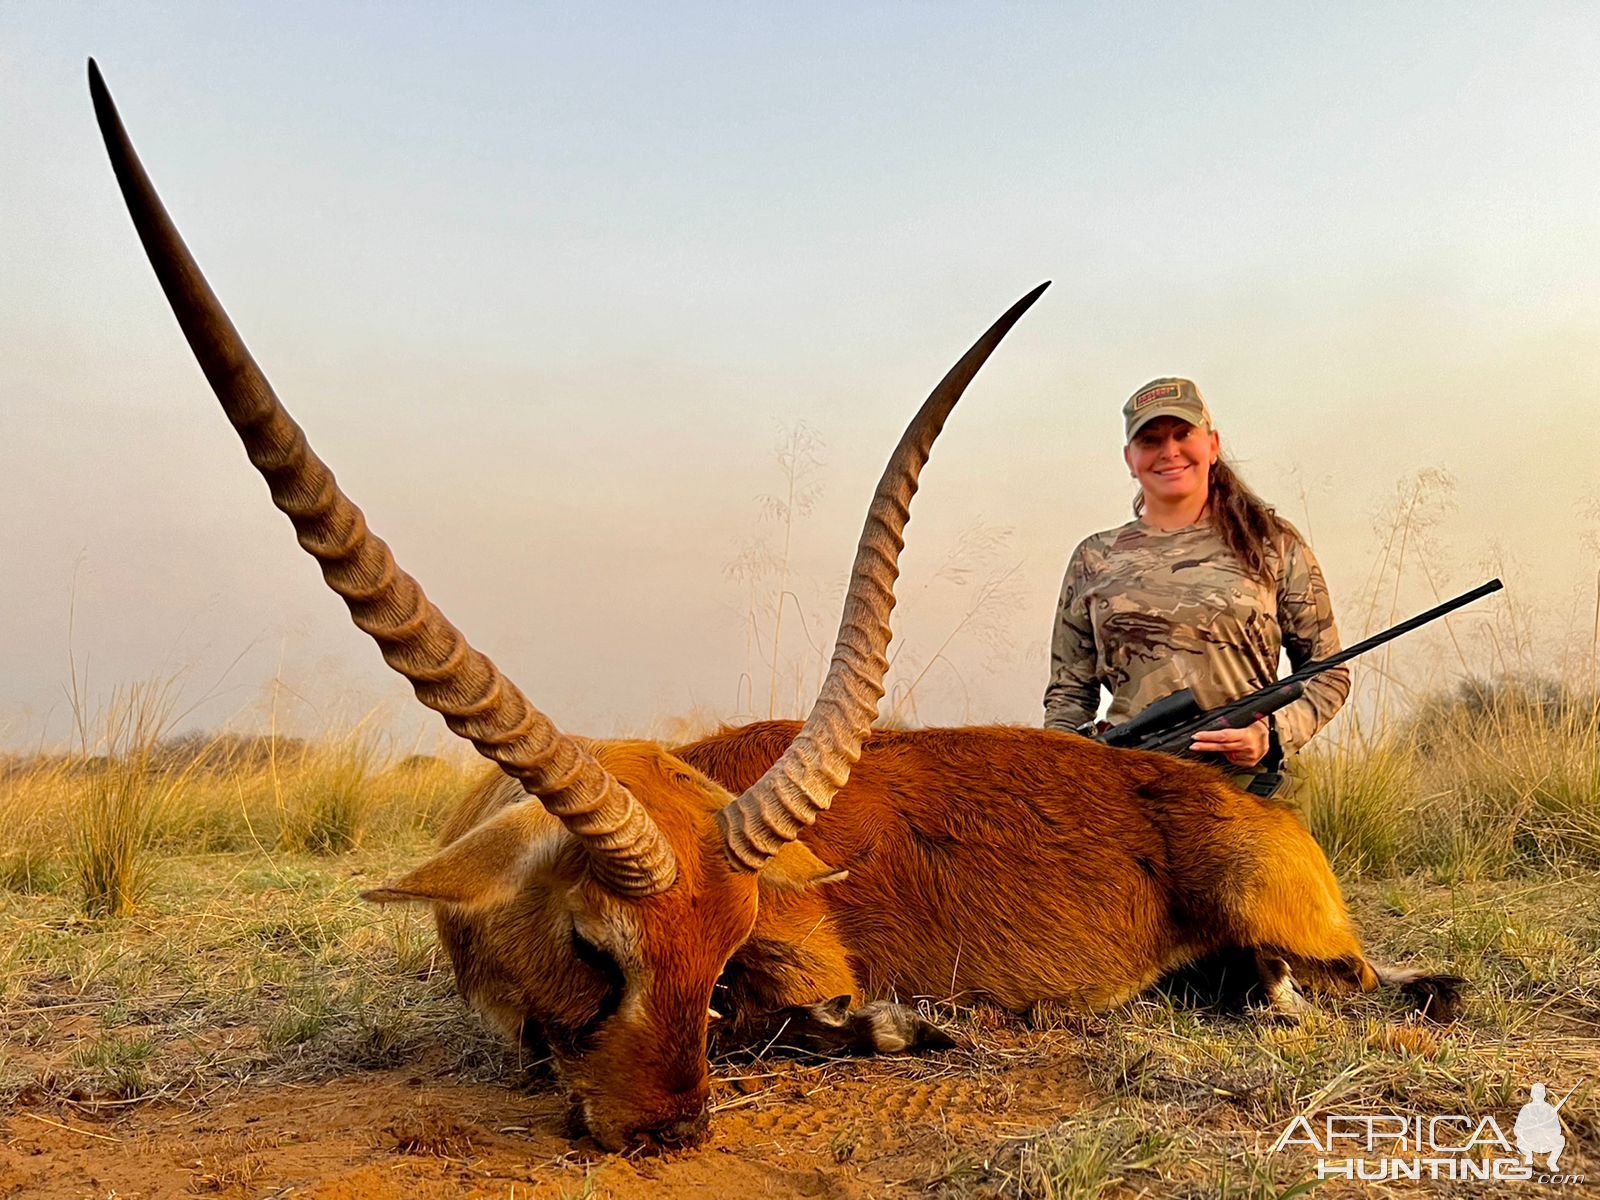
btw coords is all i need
(1145, 612)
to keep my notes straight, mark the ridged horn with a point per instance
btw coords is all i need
(803, 781)
(628, 853)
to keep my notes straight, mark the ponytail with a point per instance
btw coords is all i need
(1246, 523)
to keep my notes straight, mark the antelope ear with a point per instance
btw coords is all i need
(485, 867)
(794, 868)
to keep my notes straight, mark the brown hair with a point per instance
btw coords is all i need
(1245, 522)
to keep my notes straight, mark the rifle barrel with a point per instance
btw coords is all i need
(1388, 635)
(1568, 1096)
(1171, 718)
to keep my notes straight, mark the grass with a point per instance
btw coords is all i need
(262, 969)
(1082, 1157)
(328, 804)
(107, 821)
(1495, 779)
(1187, 1102)
(237, 968)
(180, 917)
(109, 853)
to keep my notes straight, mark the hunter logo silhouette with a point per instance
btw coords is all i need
(1538, 1126)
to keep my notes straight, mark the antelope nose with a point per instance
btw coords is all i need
(684, 1132)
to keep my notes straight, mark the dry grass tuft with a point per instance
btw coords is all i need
(1086, 1155)
(429, 1132)
(225, 1173)
(1498, 778)
(1417, 1040)
(126, 795)
(328, 804)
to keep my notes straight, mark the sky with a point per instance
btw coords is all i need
(551, 286)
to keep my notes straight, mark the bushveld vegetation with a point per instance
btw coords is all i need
(180, 915)
(180, 921)
(1495, 779)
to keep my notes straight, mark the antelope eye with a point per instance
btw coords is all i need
(601, 961)
(590, 953)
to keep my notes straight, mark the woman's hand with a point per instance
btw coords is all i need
(1242, 747)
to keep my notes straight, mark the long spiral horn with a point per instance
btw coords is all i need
(802, 783)
(628, 853)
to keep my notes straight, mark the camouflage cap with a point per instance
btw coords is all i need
(1167, 397)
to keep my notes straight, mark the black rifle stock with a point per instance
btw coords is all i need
(1169, 725)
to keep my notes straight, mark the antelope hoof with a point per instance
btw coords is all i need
(833, 1027)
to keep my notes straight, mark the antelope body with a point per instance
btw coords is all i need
(1008, 864)
(645, 887)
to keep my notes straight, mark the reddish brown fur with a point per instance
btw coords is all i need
(1025, 864)
(1017, 865)
(643, 1070)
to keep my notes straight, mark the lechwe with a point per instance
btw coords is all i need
(607, 921)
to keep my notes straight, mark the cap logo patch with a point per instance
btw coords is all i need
(1165, 391)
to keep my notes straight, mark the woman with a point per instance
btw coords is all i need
(1199, 591)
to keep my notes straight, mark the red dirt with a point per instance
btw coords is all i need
(851, 1130)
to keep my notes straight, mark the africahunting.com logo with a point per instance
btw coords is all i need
(1391, 1147)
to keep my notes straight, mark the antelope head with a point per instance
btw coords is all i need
(601, 915)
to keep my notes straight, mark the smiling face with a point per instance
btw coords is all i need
(1172, 461)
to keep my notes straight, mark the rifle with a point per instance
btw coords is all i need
(1169, 725)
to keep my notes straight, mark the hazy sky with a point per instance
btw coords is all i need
(547, 285)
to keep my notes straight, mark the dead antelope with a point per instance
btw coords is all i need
(648, 887)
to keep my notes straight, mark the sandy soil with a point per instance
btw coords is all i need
(845, 1130)
(311, 1052)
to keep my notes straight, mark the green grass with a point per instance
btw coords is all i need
(244, 954)
(240, 966)
(1082, 1157)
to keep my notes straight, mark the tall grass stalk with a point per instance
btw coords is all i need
(1359, 802)
(984, 618)
(1498, 777)
(765, 571)
(126, 796)
(328, 805)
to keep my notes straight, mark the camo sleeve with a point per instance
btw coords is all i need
(1305, 614)
(1073, 694)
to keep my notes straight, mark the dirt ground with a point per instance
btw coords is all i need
(953, 1125)
(261, 1033)
(791, 1130)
